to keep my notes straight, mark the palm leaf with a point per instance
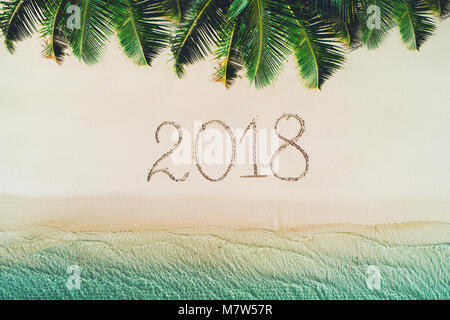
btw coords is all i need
(97, 22)
(176, 9)
(143, 30)
(440, 8)
(229, 55)
(373, 37)
(256, 34)
(343, 16)
(346, 10)
(196, 35)
(414, 22)
(265, 43)
(19, 19)
(318, 54)
(349, 33)
(54, 31)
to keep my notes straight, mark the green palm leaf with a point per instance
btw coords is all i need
(199, 31)
(53, 30)
(19, 19)
(97, 22)
(349, 33)
(265, 43)
(256, 34)
(414, 22)
(343, 16)
(229, 55)
(176, 9)
(439, 7)
(143, 30)
(374, 36)
(318, 54)
(346, 10)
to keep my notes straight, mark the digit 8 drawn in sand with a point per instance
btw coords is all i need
(290, 142)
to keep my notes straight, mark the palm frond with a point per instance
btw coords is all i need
(19, 19)
(258, 35)
(345, 10)
(265, 43)
(176, 9)
(228, 54)
(199, 31)
(414, 22)
(53, 30)
(343, 15)
(143, 31)
(349, 33)
(97, 23)
(318, 55)
(440, 8)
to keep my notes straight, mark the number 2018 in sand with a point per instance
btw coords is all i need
(285, 143)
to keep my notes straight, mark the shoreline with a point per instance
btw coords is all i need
(411, 260)
(122, 214)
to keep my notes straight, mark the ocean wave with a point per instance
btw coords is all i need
(395, 261)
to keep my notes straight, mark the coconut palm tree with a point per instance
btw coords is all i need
(257, 36)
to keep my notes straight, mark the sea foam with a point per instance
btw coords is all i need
(408, 261)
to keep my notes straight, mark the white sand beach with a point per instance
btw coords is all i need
(77, 142)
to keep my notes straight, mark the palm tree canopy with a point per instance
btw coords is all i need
(255, 36)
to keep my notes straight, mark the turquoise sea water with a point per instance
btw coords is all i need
(405, 261)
